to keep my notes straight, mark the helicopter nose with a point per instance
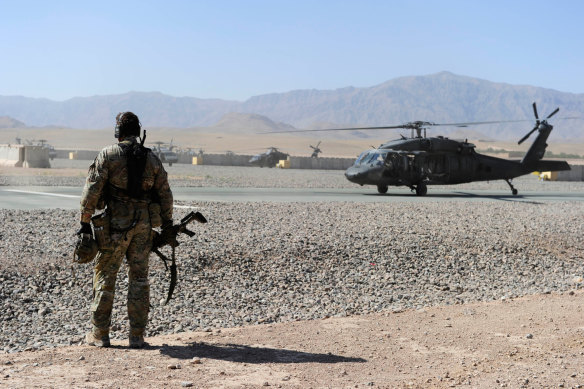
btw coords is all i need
(364, 175)
(354, 175)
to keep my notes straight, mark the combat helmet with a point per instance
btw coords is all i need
(127, 124)
(85, 249)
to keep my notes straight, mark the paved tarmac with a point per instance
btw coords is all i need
(34, 197)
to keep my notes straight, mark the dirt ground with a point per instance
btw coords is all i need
(535, 341)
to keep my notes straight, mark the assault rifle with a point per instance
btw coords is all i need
(168, 237)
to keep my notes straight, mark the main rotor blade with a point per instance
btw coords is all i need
(405, 126)
(535, 112)
(336, 129)
(479, 123)
(553, 113)
(528, 134)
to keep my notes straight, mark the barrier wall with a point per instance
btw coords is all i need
(228, 160)
(295, 162)
(85, 155)
(576, 174)
(24, 156)
(36, 156)
(187, 158)
(225, 159)
(11, 155)
(321, 163)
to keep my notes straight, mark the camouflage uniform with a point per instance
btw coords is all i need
(130, 231)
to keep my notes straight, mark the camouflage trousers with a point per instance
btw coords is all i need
(135, 245)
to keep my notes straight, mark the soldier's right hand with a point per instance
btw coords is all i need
(168, 234)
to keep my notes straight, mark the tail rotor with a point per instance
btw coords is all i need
(537, 122)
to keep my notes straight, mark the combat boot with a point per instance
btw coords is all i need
(137, 338)
(98, 337)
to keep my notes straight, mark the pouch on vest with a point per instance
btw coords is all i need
(101, 230)
(155, 218)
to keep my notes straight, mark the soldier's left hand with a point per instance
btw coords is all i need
(85, 229)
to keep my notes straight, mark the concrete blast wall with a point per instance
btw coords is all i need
(320, 163)
(85, 155)
(226, 159)
(24, 156)
(36, 156)
(11, 155)
(576, 174)
(295, 162)
(230, 160)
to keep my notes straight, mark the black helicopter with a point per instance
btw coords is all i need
(419, 161)
(269, 158)
(165, 153)
(315, 150)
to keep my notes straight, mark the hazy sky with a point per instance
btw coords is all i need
(238, 49)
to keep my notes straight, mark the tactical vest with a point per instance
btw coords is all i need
(136, 156)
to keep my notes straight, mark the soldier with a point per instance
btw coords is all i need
(129, 181)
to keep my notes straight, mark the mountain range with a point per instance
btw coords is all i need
(441, 98)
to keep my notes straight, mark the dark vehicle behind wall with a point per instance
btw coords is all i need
(269, 158)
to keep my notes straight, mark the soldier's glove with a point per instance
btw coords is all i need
(85, 229)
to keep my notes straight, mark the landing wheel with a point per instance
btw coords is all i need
(382, 189)
(170, 164)
(513, 190)
(421, 189)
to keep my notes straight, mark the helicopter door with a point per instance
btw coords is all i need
(435, 166)
(453, 169)
(461, 169)
(467, 167)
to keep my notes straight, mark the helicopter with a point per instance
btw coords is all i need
(165, 153)
(419, 161)
(316, 150)
(269, 158)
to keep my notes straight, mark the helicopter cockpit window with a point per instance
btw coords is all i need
(376, 158)
(361, 157)
(381, 157)
(371, 157)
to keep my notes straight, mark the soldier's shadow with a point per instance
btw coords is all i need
(249, 354)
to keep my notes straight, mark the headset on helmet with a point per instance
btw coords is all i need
(127, 124)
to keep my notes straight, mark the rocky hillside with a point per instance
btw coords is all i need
(443, 98)
(247, 122)
(8, 122)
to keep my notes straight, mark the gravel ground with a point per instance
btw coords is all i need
(265, 262)
(277, 262)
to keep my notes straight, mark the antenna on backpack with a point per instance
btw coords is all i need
(143, 139)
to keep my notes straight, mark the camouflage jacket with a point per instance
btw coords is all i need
(108, 178)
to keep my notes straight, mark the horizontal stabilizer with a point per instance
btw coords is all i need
(552, 166)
